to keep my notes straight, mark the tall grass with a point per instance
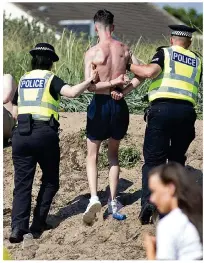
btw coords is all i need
(20, 36)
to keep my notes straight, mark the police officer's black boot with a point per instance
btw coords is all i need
(146, 213)
(17, 235)
(37, 229)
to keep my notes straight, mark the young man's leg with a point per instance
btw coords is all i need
(97, 130)
(113, 147)
(119, 127)
(94, 205)
(91, 166)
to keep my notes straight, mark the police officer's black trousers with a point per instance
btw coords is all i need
(169, 132)
(41, 147)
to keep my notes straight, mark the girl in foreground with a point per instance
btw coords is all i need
(179, 234)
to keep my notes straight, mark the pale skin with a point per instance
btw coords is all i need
(9, 89)
(163, 196)
(110, 58)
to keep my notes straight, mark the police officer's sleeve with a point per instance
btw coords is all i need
(56, 86)
(15, 98)
(158, 58)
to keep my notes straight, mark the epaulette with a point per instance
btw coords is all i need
(161, 48)
(196, 53)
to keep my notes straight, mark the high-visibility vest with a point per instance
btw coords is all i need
(180, 77)
(6, 255)
(34, 95)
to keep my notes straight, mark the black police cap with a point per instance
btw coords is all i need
(182, 30)
(44, 49)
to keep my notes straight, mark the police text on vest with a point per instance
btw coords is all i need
(184, 59)
(32, 83)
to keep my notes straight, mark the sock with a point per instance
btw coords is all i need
(94, 198)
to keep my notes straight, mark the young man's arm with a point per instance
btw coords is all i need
(134, 83)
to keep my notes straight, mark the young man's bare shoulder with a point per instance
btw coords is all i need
(121, 44)
(92, 51)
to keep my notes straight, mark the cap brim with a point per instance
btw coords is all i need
(46, 53)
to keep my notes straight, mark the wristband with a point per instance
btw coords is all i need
(128, 66)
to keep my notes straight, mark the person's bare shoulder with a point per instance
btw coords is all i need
(93, 51)
(126, 49)
(130, 56)
(96, 54)
(90, 52)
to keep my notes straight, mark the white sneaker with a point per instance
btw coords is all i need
(93, 207)
(114, 206)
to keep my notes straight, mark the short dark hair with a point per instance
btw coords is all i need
(41, 62)
(104, 16)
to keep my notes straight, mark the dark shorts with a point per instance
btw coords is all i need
(107, 118)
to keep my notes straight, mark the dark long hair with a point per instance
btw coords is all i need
(41, 62)
(188, 192)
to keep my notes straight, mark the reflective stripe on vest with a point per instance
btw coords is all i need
(169, 84)
(174, 90)
(39, 108)
(178, 77)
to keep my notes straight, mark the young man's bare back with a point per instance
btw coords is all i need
(111, 58)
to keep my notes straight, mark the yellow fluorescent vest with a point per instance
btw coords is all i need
(180, 77)
(34, 95)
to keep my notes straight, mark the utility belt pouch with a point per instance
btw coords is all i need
(146, 114)
(25, 124)
(54, 124)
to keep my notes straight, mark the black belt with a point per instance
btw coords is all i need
(39, 123)
(175, 101)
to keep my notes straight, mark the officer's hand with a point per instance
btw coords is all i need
(150, 246)
(116, 95)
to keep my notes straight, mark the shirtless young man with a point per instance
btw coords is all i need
(106, 118)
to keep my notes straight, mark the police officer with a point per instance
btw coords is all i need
(35, 139)
(176, 73)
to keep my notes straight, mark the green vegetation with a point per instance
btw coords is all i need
(128, 157)
(20, 36)
(190, 17)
